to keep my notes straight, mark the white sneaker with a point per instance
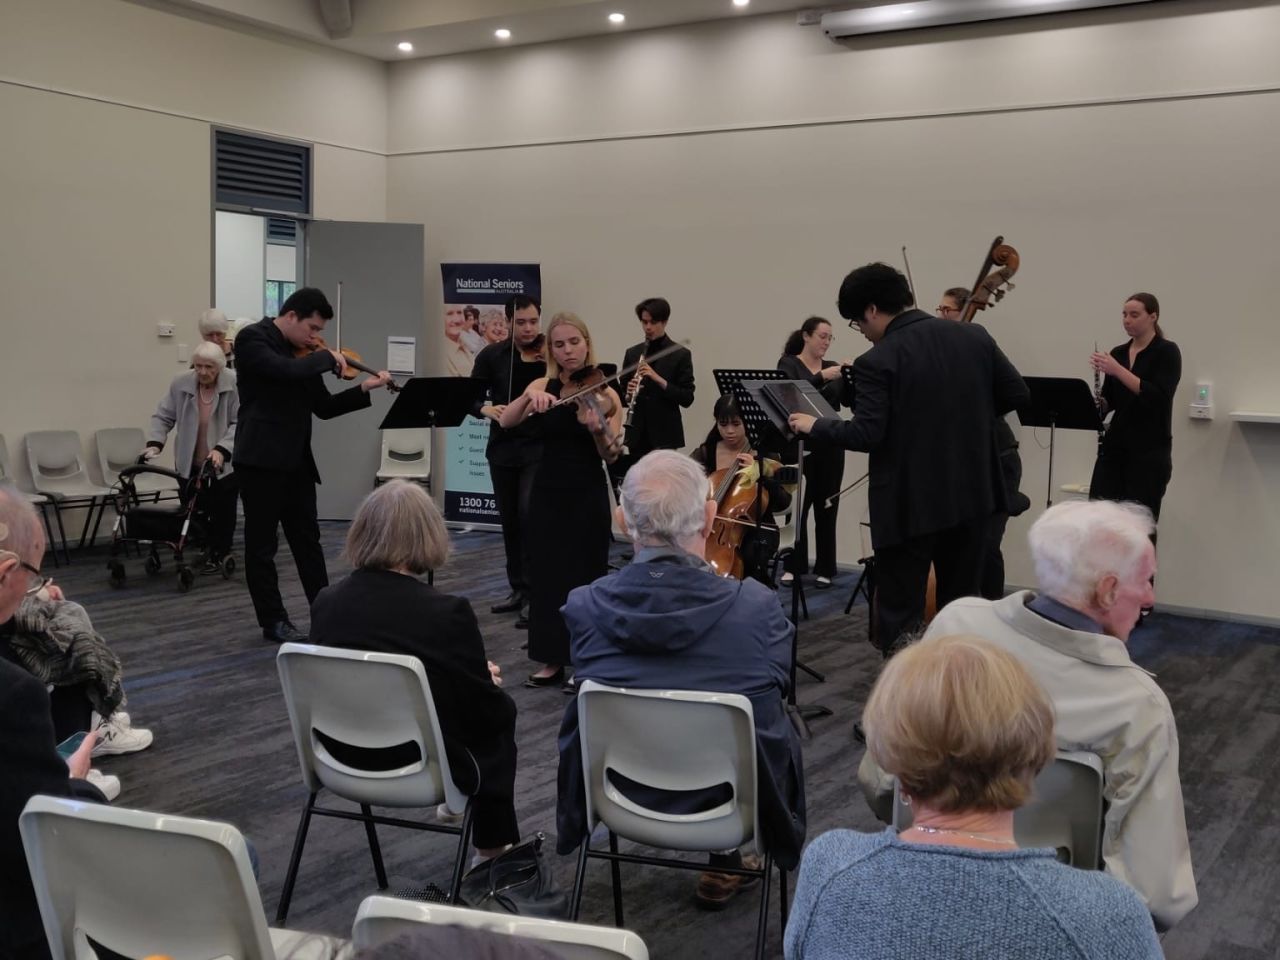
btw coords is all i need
(786, 579)
(116, 734)
(445, 815)
(109, 785)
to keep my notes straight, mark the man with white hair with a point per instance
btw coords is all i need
(29, 764)
(215, 329)
(667, 621)
(1094, 564)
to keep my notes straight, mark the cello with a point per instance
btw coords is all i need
(740, 499)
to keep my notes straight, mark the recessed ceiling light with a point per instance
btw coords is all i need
(741, 3)
(502, 33)
(617, 18)
(404, 46)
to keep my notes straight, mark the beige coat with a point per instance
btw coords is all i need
(178, 409)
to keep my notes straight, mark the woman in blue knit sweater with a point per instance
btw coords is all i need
(965, 729)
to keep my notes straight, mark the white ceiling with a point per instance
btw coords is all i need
(438, 27)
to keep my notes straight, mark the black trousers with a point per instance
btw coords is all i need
(512, 486)
(275, 500)
(823, 474)
(902, 576)
(1140, 476)
(993, 560)
(218, 504)
(493, 797)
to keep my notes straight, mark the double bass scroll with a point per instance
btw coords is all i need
(994, 279)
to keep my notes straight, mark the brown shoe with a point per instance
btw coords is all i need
(715, 890)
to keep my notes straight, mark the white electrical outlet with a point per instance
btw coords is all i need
(1202, 402)
(164, 329)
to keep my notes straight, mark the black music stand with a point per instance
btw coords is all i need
(758, 392)
(1059, 402)
(433, 402)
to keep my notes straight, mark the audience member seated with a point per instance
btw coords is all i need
(398, 535)
(1094, 565)
(204, 406)
(54, 640)
(965, 729)
(29, 762)
(666, 621)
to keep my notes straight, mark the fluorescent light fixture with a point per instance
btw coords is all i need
(404, 46)
(914, 14)
(741, 3)
(617, 18)
(502, 33)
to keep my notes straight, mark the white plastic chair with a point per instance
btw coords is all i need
(36, 500)
(380, 919)
(120, 447)
(1065, 811)
(58, 472)
(372, 701)
(406, 455)
(670, 740)
(143, 883)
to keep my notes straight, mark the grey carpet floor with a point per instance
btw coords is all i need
(200, 676)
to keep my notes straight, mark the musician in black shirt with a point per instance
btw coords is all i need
(655, 391)
(1135, 459)
(506, 369)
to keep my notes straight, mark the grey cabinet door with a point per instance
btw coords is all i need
(380, 267)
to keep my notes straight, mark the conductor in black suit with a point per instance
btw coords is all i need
(279, 393)
(656, 391)
(926, 397)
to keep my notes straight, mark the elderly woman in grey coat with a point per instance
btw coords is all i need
(202, 404)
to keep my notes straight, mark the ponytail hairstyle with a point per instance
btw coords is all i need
(1151, 305)
(795, 342)
(726, 408)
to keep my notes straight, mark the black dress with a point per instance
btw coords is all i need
(1135, 461)
(823, 475)
(569, 526)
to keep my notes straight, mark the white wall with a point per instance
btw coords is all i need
(239, 256)
(741, 168)
(105, 110)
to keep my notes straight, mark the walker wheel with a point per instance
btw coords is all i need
(117, 573)
(228, 566)
(152, 564)
(185, 579)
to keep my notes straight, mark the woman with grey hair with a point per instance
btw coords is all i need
(202, 404)
(382, 605)
(215, 329)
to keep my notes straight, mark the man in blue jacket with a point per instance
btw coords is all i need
(667, 621)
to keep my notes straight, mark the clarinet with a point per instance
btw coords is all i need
(631, 407)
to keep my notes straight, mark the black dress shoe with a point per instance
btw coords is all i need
(522, 621)
(513, 603)
(284, 632)
(554, 680)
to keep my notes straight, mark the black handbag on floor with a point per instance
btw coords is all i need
(517, 881)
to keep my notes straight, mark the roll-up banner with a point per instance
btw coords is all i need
(475, 297)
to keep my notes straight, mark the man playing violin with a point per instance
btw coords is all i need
(656, 391)
(279, 380)
(927, 394)
(506, 369)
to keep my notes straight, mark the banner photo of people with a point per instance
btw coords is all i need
(475, 297)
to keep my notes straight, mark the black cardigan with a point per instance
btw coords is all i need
(1143, 421)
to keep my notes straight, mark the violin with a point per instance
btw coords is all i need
(993, 279)
(736, 490)
(354, 362)
(584, 389)
(535, 352)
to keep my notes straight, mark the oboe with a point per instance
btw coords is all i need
(1097, 398)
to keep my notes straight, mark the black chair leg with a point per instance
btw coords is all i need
(579, 878)
(762, 924)
(616, 869)
(102, 509)
(460, 861)
(291, 876)
(371, 831)
(62, 533)
(48, 532)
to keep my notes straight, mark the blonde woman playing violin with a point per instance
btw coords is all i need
(569, 515)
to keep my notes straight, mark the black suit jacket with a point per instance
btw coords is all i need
(278, 395)
(389, 612)
(656, 423)
(926, 399)
(29, 765)
(504, 381)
